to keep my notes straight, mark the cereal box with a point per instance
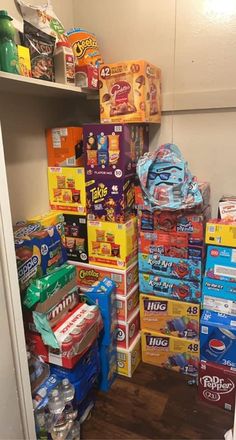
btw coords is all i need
(113, 149)
(125, 305)
(65, 147)
(128, 360)
(127, 331)
(221, 233)
(130, 91)
(67, 189)
(76, 237)
(112, 244)
(167, 316)
(170, 352)
(170, 287)
(221, 263)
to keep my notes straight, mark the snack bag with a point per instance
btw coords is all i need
(85, 47)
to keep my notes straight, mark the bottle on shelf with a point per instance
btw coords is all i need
(8, 49)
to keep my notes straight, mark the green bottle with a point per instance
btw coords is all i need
(8, 49)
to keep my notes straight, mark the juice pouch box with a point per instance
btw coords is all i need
(219, 295)
(221, 233)
(167, 316)
(76, 237)
(112, 244)
(67, 189)
(128, 331)
(178, 354)
(130, 91)
(110, 199)
(128, 360)
(221, 263)
(170, 287)
(120, 146)
(65, 147)
(126, 305)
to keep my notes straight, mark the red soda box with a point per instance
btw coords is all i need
(125, 305)
(127, 331)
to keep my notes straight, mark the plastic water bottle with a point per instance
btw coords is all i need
(56, 402)
(8, 49)
(74, 433)
(68, 390)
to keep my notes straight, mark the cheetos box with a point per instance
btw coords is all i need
(128, 360)
(65, 147)
(125, 305)
(127, 331)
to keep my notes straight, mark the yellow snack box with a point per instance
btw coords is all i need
(128, 360)
(24, 60)
(221, 233)
(51, 218)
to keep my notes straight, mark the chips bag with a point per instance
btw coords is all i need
(85, 47)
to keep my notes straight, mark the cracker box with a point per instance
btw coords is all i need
(183, 269)
(108, 367)
(110, 199)
(167, 316)
(65, 147)
(221, 263)
(178, 354)
(76, 237)
(170, 287)
(112, 150)
(127, 331)
(130, 91)
(221, 233)
(219, 296)
(227, 208)
(128, 360)
(67, 189)
(125, 280)
(126, 305)
(112, 244)
(216, 385)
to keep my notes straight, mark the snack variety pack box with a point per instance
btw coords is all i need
(128, 360)
(112, 244)
(112, 150)
(219, 295)
(218, 338)
(127, 331)
(170, 352)
(110, 199)
(221, 233)
(76, 237)
(51, 218)
(125, 280)
(126, 305)
(221, 263)
(130, 92)
(170, 287)
(65, 147)
(167, 316)
(171, 267)
(67, 189)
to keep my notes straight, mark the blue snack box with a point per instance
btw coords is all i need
(108, 362)
(219, 295)
(221, 263)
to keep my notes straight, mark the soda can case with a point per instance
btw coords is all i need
(217, 384)
(218, 338)
(176, 318)
(182, 269)
(76, 237)
(170, 287)
(128, 331)
(219, 295)
(108, 362)
(125, 305)
(180, 355)
(128, 360)
(221, 263)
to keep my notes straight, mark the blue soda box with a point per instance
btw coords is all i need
(170, 287)
(219, 296)
(171, 267)
(221, 263)
(108, 363)
(218, 338)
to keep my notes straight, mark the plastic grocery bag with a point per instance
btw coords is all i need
(166, 181)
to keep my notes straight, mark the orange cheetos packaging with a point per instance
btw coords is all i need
(85, 47)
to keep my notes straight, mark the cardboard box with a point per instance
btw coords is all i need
(65, 147)
(221, 263)
(167, 316)
(24, 61)
(176, 354)
(219, 296)
(221, 233)
(227, 208)
(170, 287)
(126, 305)
(217, 384)
(67, 189)
(127, 331)
(112, 244)
(76, 237)
(128, 360)
(130, 91)
(112, 150)
(218, 338)
(51, 218)
(108, 363)
(86, 76)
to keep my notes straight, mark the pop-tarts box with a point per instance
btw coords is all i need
(170, 287)
(221, 263)
(218, 338)
(219, 296)
(183, 269)
(108, 363)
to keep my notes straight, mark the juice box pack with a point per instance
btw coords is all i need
(170, 287)
(178, 354)
(128, 331)
(219, 295)
(221, 263)
(130, 91)
(221, 233)
(67, 189)
(167, 316)
(128, 360)
(125, 305)
(112, 244)
(76, 237)
(65, 147)
(113, 150)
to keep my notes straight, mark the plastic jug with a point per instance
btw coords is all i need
(8, 49)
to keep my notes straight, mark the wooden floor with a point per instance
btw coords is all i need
(155, 404)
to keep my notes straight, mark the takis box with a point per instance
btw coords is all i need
(113, 150)
(176, 318)
(127, 331)
(126, 305)
(183, 269)
(125, 280)
(130, 91)
(67, 189)
(76, 237)
(219, 296)
(170, 287)
(170, 352)
(128, 360)
(112, 244)
(108, 363)
(110, 199)
(216, 385)
(65, 147)
(221, 263)
(221, 233)
(218, 338)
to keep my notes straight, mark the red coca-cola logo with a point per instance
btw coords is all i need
(120, 91)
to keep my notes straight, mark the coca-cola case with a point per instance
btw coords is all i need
(217, 384)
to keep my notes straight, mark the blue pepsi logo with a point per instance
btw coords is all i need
(216, 346)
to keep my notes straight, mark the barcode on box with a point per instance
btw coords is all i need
(228, 406)
(120, 227)
(116, 278)
(233, 323)
(118, 304)
(118, 128)
(71, 161)
(91, 217)
(204, 330)
(121, 356)
(211, 228)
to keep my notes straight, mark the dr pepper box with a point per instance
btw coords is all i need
(125, 305)
(113, 149)
(176, 318)
(128, 360)
(76, 239)
(216, 384)
(65, 147)
(127, 331)
(130, 91)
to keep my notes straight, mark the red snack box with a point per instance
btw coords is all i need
(127, 331)
(126, 305)
(86, 76)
